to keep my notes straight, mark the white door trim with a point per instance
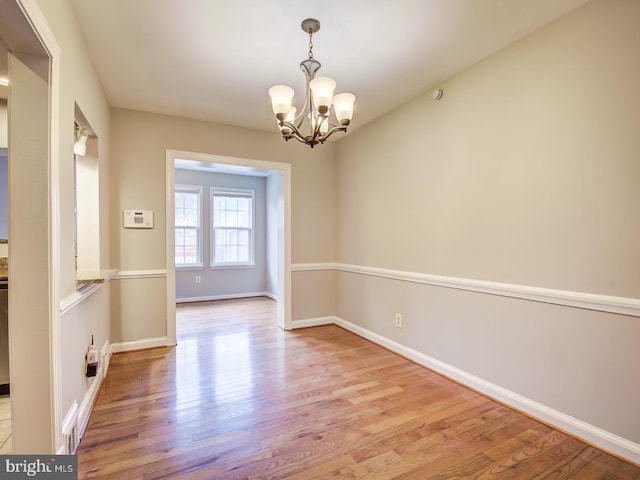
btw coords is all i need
(283, 292)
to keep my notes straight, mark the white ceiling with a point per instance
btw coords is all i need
(215, 59)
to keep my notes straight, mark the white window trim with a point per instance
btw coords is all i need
(199, 265)
(244, 192)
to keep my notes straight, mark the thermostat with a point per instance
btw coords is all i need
(138, 219)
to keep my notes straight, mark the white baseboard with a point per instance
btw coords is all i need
(226, 297)
(87, 405)
(314, 322)
(138, 344)
(89, 399)
(594, 435)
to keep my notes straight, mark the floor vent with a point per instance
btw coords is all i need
(70, 429)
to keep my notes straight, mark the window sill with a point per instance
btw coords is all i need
(232, 267)
(189, 267)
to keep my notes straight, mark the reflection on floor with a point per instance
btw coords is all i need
(5, 425)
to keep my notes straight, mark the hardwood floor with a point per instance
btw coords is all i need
(239, 398)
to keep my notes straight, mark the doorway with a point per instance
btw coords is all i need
(278, 187)
(31, 60)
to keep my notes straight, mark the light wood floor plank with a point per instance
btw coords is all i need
(238, 398)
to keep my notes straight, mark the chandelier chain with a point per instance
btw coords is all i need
(310, 45)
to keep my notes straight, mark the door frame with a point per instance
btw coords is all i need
(282, 173)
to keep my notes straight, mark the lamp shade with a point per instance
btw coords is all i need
(281, 98)
(291, 116)
(80, 147)
(324, 125)
(343, 107)
(322, 91)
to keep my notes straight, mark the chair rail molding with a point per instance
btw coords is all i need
(129, 274)
(589, 301)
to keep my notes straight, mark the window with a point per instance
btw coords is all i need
(188, 212)
(232, 227)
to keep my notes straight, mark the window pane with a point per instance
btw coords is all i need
(179, 255)
(191, 217)
(179, 216)
(191, 237)
(231, 218)
(232, 237)
(243, 204)
(179, 236)
(187, 223)
(191, 200)
(179, 200)
(243, 219)
(220, 237)
(232, 222)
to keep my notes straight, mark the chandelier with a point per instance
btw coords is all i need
(315, 115)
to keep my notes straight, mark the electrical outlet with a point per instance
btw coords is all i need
(198, 279)
(399, 320)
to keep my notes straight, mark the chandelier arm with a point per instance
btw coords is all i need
(309, 108)
(319, 122)
(299, 119)
(331, 132)
(295, 133)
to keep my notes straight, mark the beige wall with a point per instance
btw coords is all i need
(140, 141)
(79, 83)
(48, 349)
(525, 173)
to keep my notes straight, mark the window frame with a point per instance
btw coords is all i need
(198, 189)
(240, 193)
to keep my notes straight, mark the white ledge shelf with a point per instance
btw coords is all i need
(87, 282)
(94, 276)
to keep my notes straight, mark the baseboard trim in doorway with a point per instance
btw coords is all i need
(226, 297)
(118, 347)
(313, 322)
